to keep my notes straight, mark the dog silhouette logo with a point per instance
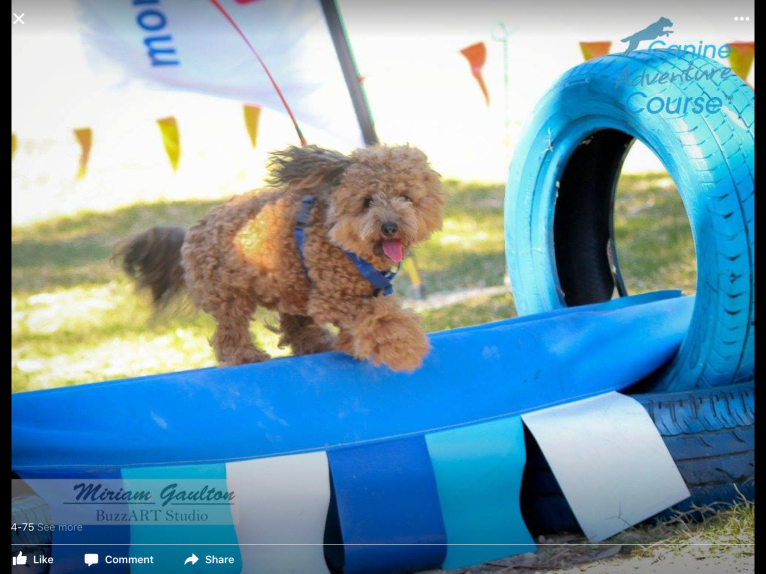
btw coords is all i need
(651, 32)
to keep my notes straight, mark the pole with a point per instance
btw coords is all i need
(501, 34)
(350, 72)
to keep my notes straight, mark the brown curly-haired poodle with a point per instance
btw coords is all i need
(318, 246)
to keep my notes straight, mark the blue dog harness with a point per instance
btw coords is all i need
(381, 281)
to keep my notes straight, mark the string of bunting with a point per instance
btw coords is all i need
(741, 60)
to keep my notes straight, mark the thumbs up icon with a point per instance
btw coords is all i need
(19, 560)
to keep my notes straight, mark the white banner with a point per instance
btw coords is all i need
(189, 45)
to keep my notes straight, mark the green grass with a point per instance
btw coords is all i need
(654, 241)
(469, 250)
(75, 319)
(725, 526)
(725, 535)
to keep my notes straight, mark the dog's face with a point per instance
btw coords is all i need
(387, 201)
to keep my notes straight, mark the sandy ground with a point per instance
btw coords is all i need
(569, 554)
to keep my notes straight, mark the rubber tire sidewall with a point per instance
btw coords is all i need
(710, 158)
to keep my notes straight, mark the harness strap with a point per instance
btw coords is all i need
(381, 281)
(300, 225)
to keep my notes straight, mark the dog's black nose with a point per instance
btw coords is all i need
(389, 229)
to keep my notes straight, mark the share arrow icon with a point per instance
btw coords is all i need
(193, 559)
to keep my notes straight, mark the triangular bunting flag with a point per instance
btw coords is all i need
(252, 117)
(171, 140)
(84, 137)
(476, 54)
(741, 58)
(592, 50)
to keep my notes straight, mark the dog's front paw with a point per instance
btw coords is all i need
(395, 341)
(243, 356)
(404, 355)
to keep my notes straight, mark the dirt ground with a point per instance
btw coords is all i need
(621, 559)
(724, 543)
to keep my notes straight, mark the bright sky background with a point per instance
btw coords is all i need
(419, 86)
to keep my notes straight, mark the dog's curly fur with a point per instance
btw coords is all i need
(243, 255)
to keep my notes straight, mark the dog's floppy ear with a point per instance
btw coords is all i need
(306, 167)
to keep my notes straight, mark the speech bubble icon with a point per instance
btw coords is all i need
(91, 559)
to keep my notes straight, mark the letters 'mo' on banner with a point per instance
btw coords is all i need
(592, 50)
(188, 45)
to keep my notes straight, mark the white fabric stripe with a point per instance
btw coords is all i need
(609, 460)
(281, 500)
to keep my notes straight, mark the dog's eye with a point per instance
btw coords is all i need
(367, 203)
(407, 198)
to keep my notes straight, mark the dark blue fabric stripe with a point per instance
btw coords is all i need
(388, 506)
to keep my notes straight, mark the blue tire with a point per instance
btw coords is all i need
(560, 197)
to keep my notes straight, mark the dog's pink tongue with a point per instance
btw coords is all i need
(393, 249)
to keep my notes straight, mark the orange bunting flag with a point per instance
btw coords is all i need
(592, 50)
(171, 140)
(476, 54)
(252, 117)
(741, 58)
(84, 137)
(14, 145)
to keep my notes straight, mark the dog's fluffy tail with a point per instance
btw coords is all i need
(153, 260)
